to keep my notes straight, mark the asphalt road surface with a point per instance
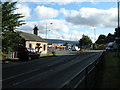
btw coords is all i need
(48, 72)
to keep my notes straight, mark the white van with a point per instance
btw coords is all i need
(75, 48)
(111, 46)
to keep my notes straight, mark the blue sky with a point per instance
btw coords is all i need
(70, 20)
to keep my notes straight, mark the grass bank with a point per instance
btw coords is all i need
(109, 72)
(46, 55)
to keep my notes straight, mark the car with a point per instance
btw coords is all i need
(110, 46)
(68, 47)
(75, 48)
(27, 53)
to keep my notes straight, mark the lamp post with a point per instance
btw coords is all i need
(46, 29)
(94, 28)
(94, 34)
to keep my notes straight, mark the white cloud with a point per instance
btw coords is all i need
(74, 32)
(92, 17)
(64, 11)
(24, 10)
(85, 33)
(63, 1)
(57, 25)
(93, 38)
(28, 27)
(51, 1)
(68, 12)
(58, 30)
(45, 12)
(73, 35)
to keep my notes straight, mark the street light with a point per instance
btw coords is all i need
(94, 34)
(94, 28)
(46, 29)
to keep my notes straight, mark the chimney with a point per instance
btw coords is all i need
(35, 30)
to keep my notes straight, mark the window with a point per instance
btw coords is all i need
(31, 49)
(30, 45)
(44, 47)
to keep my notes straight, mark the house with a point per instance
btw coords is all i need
(35, 41)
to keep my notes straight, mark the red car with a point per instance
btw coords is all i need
(27, 53)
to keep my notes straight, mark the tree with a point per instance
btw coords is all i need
(85, 41)
(110, 38)
(101, 39)
(65, 44)
(10, 20)
(10, 39)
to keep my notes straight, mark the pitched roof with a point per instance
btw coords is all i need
(31, 37)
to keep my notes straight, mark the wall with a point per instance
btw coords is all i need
(33, 44)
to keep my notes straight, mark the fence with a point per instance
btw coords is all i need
(13, 55)
(86, 77)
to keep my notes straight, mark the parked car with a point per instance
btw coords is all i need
(68, 47)
(110, 46)
(75, 48)
(27, 53)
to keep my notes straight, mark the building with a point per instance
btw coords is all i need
(35, 41)
(61, 44)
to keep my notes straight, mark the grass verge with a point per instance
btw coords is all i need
(109, 72)
(48, 55)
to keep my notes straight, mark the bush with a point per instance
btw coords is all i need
(53, 52)
(100, 47)
(5, 56)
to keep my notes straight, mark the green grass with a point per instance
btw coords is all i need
(48, 55)
(5, 56)
(109, 72)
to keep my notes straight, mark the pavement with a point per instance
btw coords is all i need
(61, 52)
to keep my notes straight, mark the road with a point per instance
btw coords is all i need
(48, 72)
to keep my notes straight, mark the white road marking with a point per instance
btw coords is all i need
(20, 74)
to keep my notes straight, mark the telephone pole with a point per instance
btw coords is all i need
(118, 30)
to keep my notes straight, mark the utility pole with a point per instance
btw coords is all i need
(118, 27)
(118, 13)
(46, 29)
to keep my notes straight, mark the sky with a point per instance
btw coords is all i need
(70, 18)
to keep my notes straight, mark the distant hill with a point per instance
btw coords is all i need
(61, 41)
